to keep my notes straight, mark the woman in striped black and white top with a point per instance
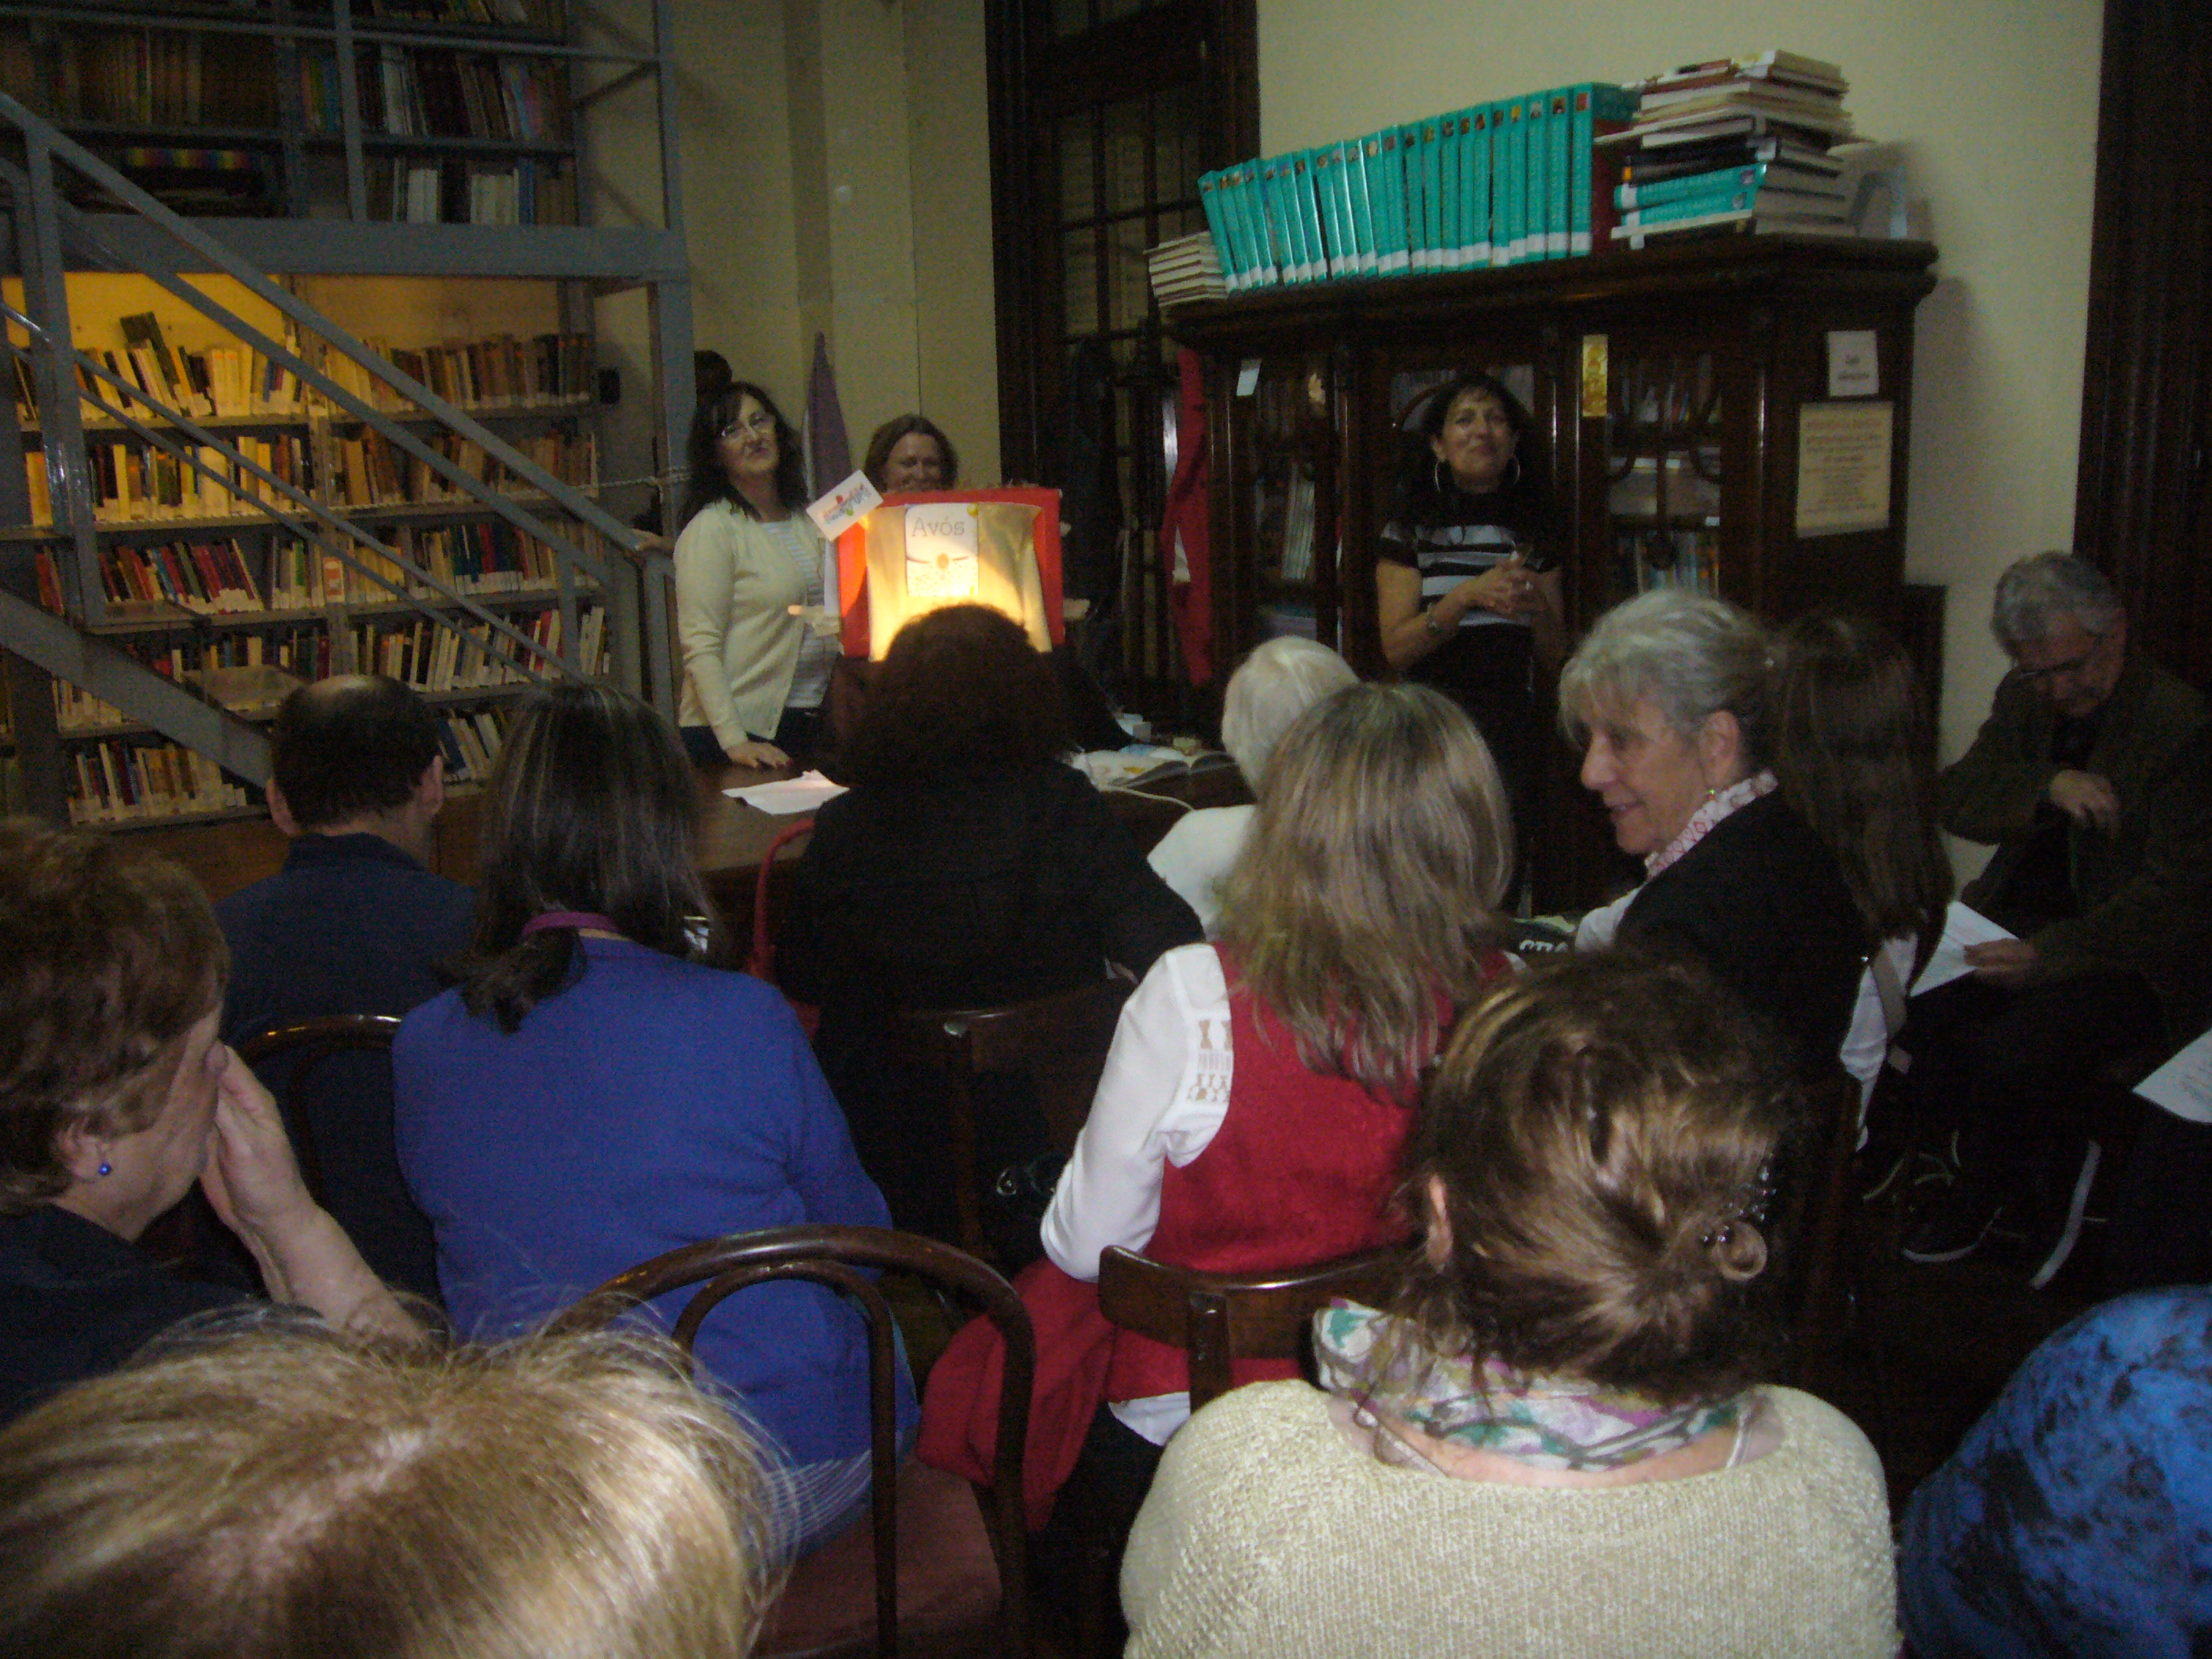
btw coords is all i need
(748, 562)
(1468, 589)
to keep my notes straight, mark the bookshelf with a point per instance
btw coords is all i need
(1683, 395)
(447, 112)
(202, 588)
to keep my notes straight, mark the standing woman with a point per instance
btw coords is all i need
(755, 673)
(1467, 592)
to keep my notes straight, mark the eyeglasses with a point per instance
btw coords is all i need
(2051, 671)
(760, 420)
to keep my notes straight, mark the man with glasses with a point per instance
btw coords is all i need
(2093, 776)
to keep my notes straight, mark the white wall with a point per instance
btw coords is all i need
(835, 171)
(1991, 108)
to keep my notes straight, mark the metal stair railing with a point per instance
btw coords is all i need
(46, 224)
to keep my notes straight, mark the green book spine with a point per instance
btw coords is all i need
(1432, 193)
(1209, 202)
(1733, 200)
(1508, 159)
(1274, 190)
(1305, 181)
(1229, 191)
(1534, 168)
(1252, 195)
(1477, 153)
(1716, 182)
(1385, 170)
(1332, 234)
(1559, 177)
(1409, 162)
(1362, 206)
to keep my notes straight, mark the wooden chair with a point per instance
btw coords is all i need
(935, 1578)
(1058, 1042)
(307, 1043)
(1216, 1319)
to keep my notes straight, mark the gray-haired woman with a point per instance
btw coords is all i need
(1668, 695)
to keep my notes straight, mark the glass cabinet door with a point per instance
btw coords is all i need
(1663, 471)
(1286, 499)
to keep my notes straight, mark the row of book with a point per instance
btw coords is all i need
(488, 558)
(1497, 184)
(430, 190)
(116, 781)
(136, 481)
(139, 76)
(369, 471)
(505, 371)
(433, 659)
(429, 92)
(220, 381)
(210, 577)
(301, 651)
(1736, 143)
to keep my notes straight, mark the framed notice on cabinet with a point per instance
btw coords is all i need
(1843, 467)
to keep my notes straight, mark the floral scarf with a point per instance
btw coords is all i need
(1717, 806)
(1547, 1423)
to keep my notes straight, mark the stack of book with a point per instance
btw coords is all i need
(1497, 184)
(1186, 269)
(1741, 143)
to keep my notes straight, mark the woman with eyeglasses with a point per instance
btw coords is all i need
(755, 673)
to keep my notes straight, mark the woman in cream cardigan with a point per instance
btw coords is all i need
(1555, 1443)
(755, 673)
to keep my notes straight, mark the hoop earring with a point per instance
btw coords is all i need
(1437, 470)
(1514, 461)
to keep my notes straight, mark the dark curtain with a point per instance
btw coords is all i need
(2143, 508)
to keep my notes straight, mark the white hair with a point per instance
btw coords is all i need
(1691, 654)
(2035, 593)
(1279, 681)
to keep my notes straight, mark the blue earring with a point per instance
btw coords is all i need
(106, 1168)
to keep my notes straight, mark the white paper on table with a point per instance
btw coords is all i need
(1961, 928)
(792, 796)
(2184, 1084)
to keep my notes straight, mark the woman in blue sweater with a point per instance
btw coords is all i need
(590, 1097)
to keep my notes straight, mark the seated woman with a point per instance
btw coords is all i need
(1279, 681)
(277, 1492)
(1258, 1090)
(1669, 693)
(1856, 761)
(1553, 1443)
(590, 1097)
(966, 868)
(747, 562)
(114, 1098)
(2077, 1516)
(909, 453)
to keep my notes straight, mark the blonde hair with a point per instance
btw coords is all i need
(1362, 905)
(283, 1492)
(1602, 1131)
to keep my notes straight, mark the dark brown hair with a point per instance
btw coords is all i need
(961, 690)
(1857, 759)
(110, 960)
(710, 483)
(901, 426)
(1601, 1128)
(592, 808)
(1425, 495)
(345, 748)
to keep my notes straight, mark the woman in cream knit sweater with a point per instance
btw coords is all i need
(1554, 1443)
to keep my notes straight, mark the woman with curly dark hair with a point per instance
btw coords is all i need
(755, 673)
(908, 452)
(967, 867)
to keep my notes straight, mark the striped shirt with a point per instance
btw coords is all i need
(1447, 555)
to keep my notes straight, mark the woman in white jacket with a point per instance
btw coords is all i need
(747, 563)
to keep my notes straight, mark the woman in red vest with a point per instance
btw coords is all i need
(1259, 1088)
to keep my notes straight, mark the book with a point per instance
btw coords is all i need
(1210, 204)
(1715, 154)
(1684, 129)
(1363, 205)
(1431, 154)
(1451, 199)
(1509, 163)
(1769, 202)
(1386, 178)
(1759, 174)
(1597, 110)
(1306, 194)
(1418, 247)
(1773, 64)
(1477, 186)
(1342, 261)
(1751, 219)
(1535, 175)
(1558, 172)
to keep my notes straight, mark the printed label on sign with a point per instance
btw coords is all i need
(940, 550)
(844, 506)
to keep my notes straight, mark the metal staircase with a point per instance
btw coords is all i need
(596, 555)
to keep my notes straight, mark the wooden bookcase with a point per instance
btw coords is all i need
(1680, 395)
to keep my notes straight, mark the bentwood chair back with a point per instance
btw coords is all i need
(306, 1044)
(937, 1579)
(1219, 1319)
(1058, 1042)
